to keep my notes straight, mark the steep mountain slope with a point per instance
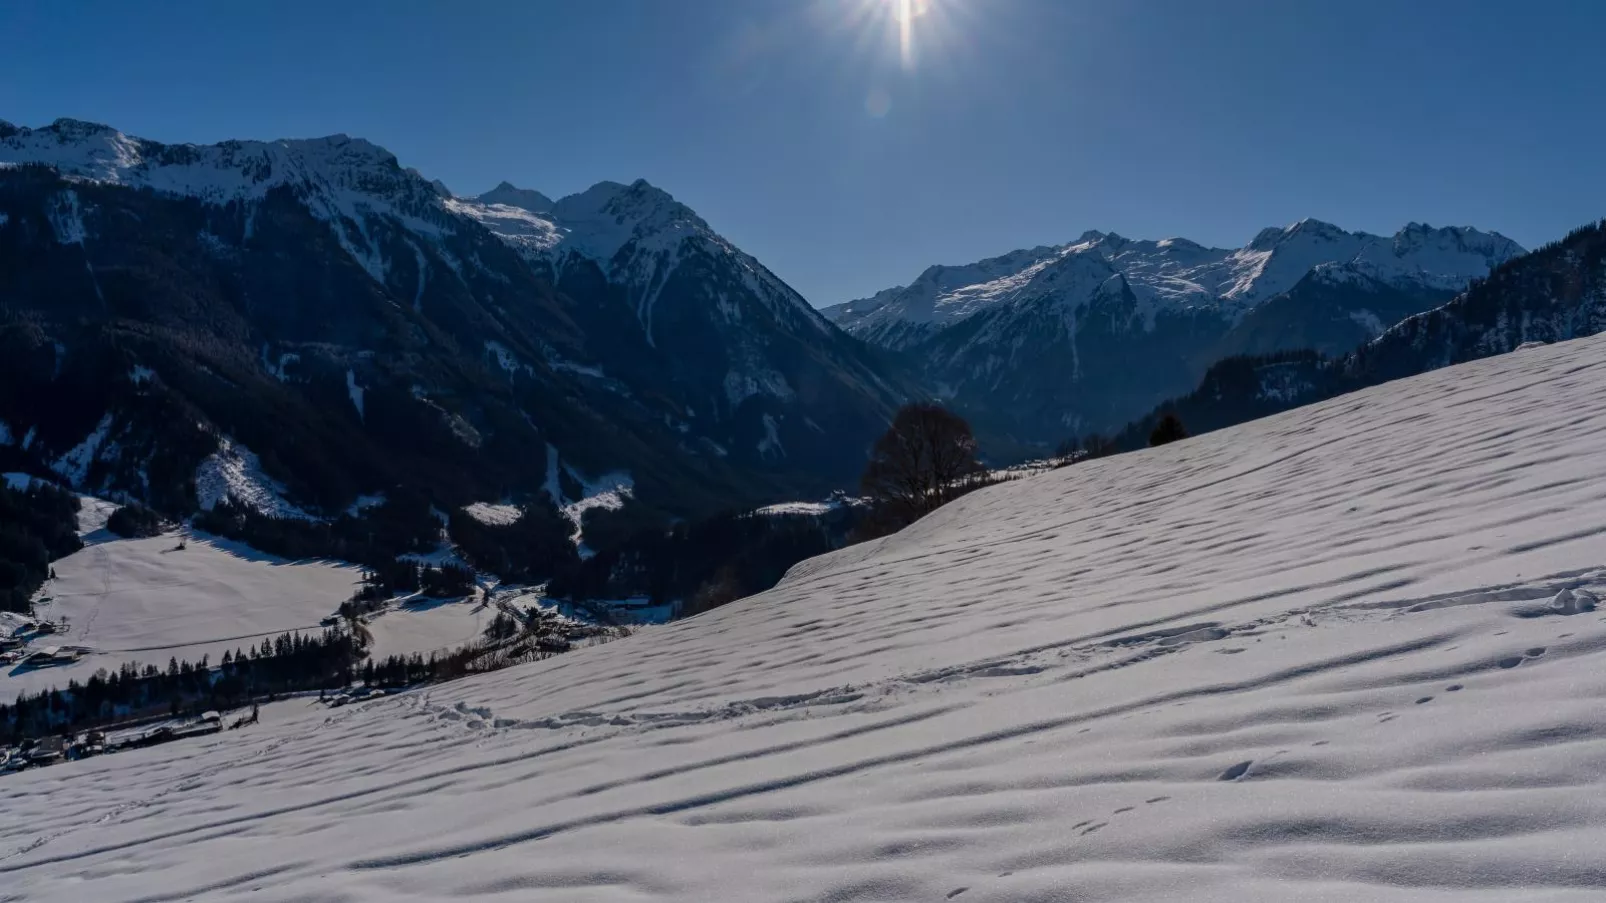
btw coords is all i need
(1350, 652)
(355, 327)
(709, 319)
(981, 332)
(1553, 294)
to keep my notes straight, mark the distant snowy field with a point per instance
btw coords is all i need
(145, 601)
(429, 625)
(1319, 657)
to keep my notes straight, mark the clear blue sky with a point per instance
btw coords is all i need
(1014, 123)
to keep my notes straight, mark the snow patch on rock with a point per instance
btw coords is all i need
(364, 502)
(74, 465)
(354, 391)
(1368, 321)
(770, 445)
(495, 515)
(505, 358)
(235, 472)
(740, 386)
(66, 219)
(608, 492)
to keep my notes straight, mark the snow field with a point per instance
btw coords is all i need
(145, 601)
(1339, 654)
(429, 625)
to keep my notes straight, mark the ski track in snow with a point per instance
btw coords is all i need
(1340, 654)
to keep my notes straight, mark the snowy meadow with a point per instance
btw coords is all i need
(1350, 652)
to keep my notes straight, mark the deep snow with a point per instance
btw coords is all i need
(1310, 658)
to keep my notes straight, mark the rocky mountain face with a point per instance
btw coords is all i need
(1550, 295)
(693, 312)
(1051, 341)
(311, 323)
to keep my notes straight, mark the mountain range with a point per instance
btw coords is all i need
(1063, 339)
(346, 326)
(307, 326)
(1555, 293)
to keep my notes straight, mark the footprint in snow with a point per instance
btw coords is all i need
(1236, 771)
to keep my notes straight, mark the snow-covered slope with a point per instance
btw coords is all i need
(1338, 654)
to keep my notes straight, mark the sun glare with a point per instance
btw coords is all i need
(920, 37)
(913, 29)
(905, 13)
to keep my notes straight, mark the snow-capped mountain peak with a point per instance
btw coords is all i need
(1052, 331)
(605, 217)
(507, 194)
(636, 233)
(219, 172)
(1309, 230)
(341, 180)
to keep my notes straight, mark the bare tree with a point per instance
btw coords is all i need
(925, 458)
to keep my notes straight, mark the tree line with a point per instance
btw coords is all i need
(282, 664)
(38, 524)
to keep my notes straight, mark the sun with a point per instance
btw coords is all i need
(929, 43)
(913, 30)
(904, 14)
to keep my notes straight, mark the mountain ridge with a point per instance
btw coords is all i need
(983, 333)
(618, 328)
(1552, 294)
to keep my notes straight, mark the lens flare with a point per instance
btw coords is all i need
(905, 14)
(912, 30)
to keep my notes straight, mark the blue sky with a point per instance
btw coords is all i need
(800, 132)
